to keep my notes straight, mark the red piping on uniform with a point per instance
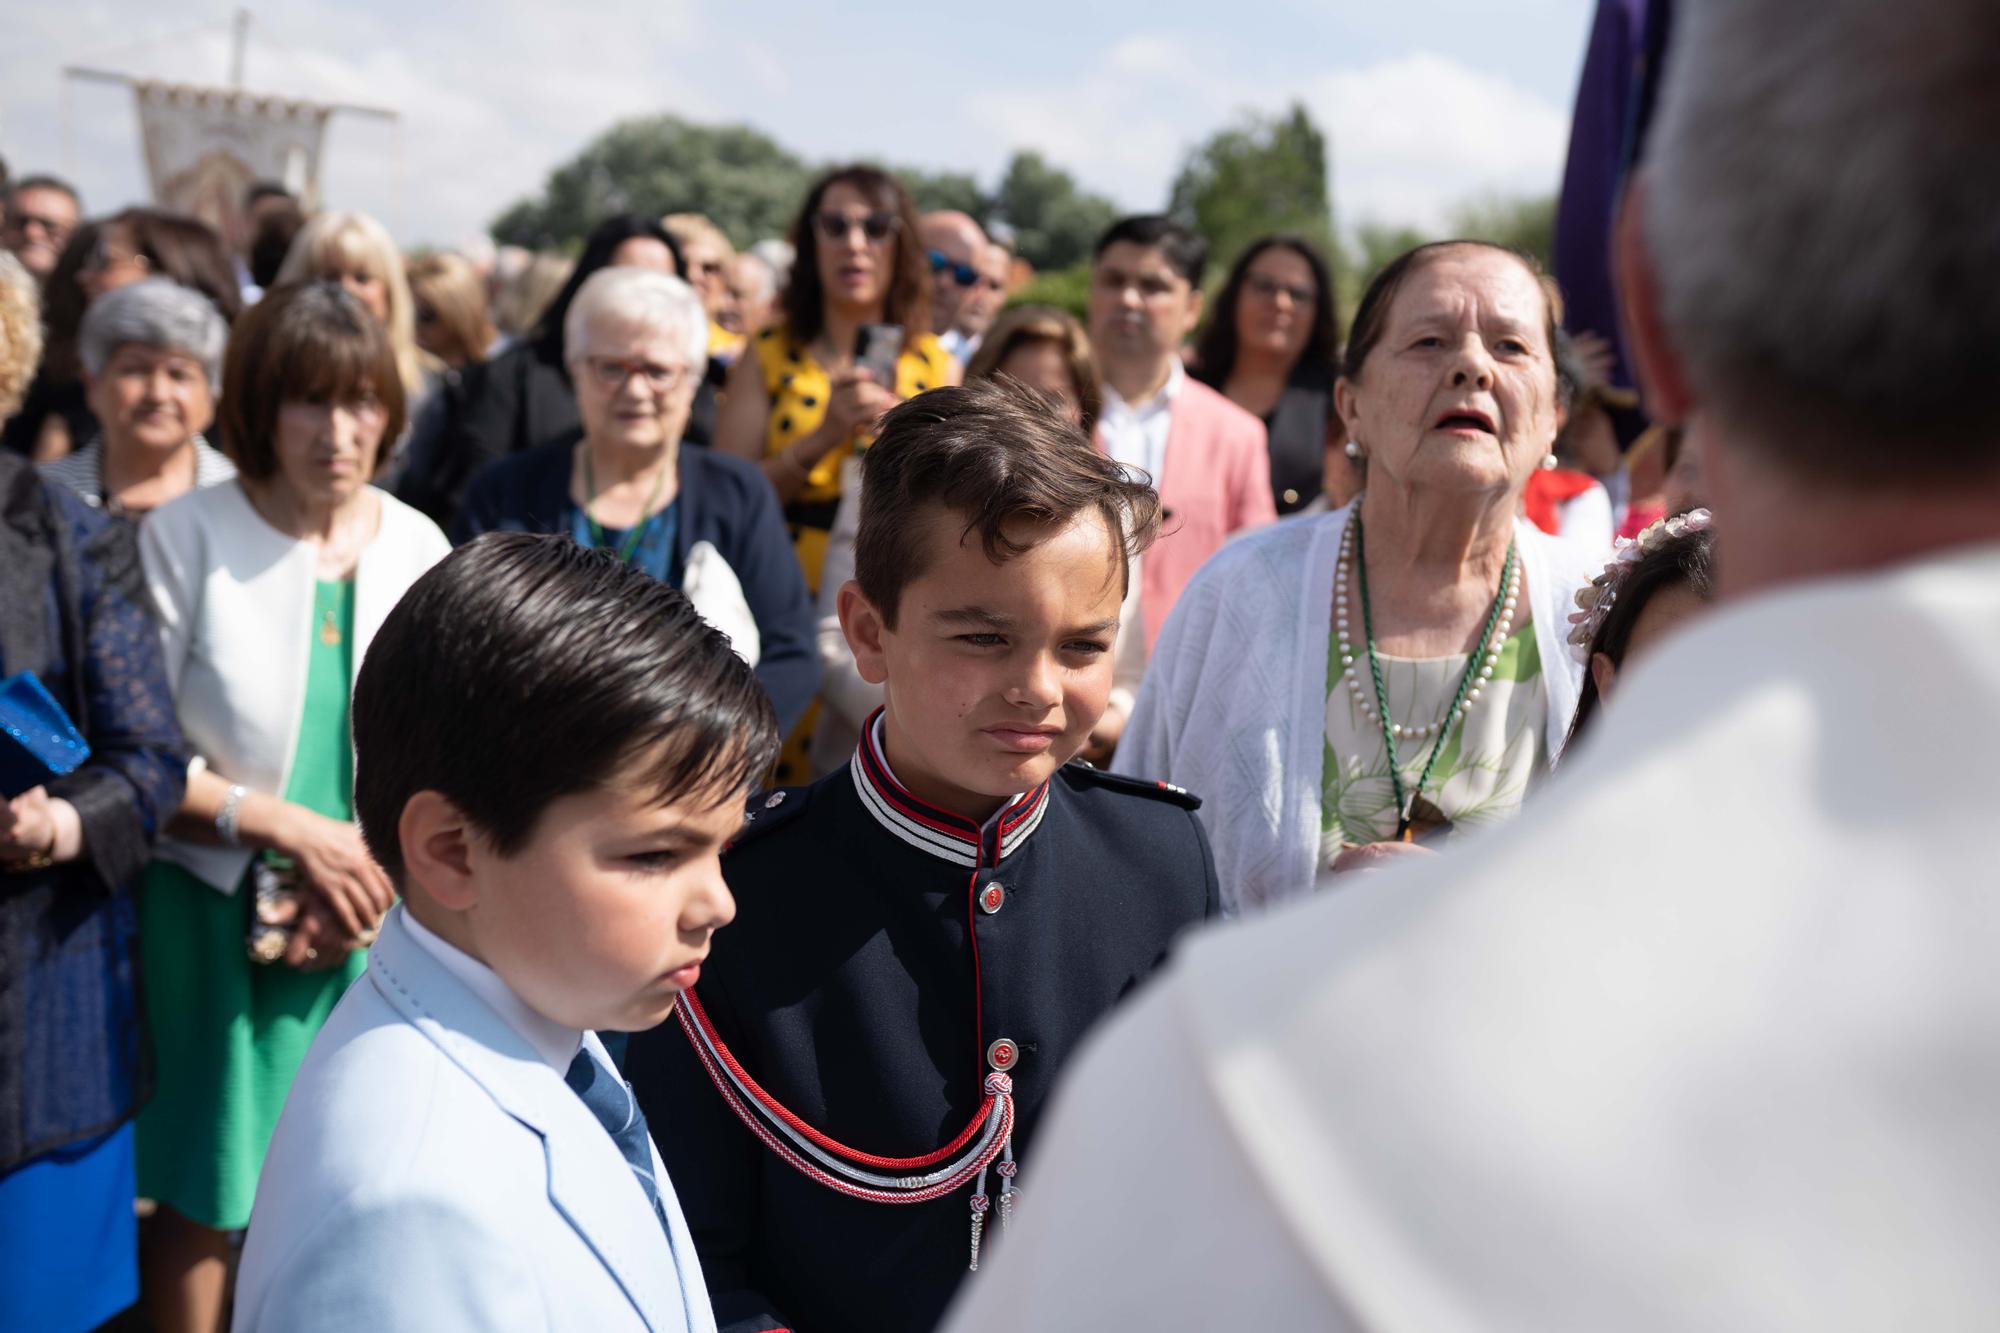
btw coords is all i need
(690, 1009)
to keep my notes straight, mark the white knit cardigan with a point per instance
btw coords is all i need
(1234, 703)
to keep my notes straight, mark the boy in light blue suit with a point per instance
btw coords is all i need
(551, 749)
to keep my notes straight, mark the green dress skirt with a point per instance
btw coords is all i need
(229, 1034)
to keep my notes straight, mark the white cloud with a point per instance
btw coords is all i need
(494, 96)
(1414, 136)
(1410, 137)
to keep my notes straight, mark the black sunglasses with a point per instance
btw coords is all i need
(965, 275)
(837, 226)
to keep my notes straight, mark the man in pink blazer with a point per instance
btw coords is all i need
(1206, 456)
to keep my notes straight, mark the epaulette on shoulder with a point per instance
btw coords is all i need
(1087, 774)
(772, 809)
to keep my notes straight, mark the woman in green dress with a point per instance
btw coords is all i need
(255, 915)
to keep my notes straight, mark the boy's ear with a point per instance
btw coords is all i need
(1603, 674)
(436, 838)
(862, 624)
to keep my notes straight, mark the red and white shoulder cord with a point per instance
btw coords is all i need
(990, 1135)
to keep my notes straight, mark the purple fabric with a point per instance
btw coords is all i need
(1595, 172)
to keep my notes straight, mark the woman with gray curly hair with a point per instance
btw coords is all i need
(152, 360)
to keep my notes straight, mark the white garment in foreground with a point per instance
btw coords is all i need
(1709, 1039)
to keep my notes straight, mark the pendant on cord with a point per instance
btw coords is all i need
(1423, 824)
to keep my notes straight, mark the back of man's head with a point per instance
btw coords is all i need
(1822, 209)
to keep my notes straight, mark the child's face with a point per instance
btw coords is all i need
(995, 673)
(605, 915)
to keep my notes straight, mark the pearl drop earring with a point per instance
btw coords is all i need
(1353, 448)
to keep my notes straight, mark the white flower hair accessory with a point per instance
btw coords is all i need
(1595, 598)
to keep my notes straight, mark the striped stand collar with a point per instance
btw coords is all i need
(947, 836)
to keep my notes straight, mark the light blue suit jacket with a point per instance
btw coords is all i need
(431, 1171)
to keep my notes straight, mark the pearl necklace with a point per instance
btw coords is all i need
(1351, 671)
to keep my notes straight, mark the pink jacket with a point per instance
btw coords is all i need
(1215, 480)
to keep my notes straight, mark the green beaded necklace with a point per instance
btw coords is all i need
(1406, 802)
(646, 515)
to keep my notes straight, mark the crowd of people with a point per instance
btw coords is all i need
(462, 709)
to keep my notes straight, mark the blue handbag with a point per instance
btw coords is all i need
(38, 742)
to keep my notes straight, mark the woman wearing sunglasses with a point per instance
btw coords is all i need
(800, 406)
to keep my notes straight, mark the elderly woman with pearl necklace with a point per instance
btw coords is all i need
(1342, 688)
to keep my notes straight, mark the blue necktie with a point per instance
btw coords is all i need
(610, 1099)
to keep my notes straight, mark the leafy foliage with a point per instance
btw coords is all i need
(1064, 288)
(1055, 221)
(741, 178)
(1261, 175)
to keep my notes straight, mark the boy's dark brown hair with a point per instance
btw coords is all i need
(991, 453)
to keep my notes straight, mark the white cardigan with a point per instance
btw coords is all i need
(1234, 703)
(235, 599)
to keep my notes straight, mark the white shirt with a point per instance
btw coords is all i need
(1135, 434)
(1707, 1039)
(556, 1044)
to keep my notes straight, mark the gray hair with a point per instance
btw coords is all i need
(158, 313)
(1823, 211)
(639, 298)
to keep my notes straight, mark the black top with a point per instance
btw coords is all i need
(725, 501)
(1296, 429)
(74, 611)
(869, 970)
(513, 403)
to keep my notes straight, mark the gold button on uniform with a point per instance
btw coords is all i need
(1291, 496)
(1003, 1054)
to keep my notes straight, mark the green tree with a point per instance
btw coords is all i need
(1055, 223)
(1262, 175)
(740, 177)
(935, 190)
(1064, 288)
(1527, 225)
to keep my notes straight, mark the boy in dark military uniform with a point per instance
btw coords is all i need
(849, 1098)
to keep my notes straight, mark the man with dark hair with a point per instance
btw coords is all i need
(40, 214)
(1206, 455)
(550, 751)
(926, 934)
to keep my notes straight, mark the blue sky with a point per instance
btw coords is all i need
(1428, 102)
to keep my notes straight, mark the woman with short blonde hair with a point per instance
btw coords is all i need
(357, 252)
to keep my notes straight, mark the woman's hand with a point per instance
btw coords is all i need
(1378, 856)
(318, 943)
(27, 827)
(336, 869)
(856, 403)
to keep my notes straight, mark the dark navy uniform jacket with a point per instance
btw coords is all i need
(848, 987)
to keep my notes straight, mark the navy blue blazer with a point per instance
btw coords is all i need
(885, 954)
(724, 501)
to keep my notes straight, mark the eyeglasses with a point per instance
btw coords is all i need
(611, 374)
(1267, 289)
(54, 228)
(874, 226)
(965, 275)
